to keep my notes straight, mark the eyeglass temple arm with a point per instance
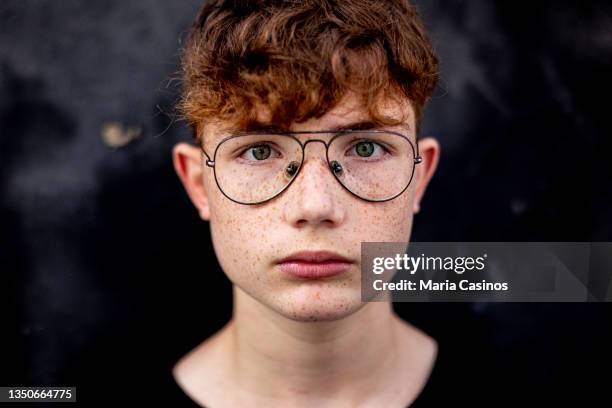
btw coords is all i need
(209, 163)
(417, 158)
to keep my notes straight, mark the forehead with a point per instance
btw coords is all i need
(350, 110)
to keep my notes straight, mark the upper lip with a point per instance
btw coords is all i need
(315, 256)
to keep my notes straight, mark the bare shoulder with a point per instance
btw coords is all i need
(200, 372)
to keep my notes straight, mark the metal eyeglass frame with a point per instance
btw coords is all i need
(211, 163)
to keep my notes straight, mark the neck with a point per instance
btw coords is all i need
(327, 356)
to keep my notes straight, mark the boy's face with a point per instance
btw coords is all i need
(314, 213)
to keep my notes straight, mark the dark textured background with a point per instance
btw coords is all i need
(108, 275)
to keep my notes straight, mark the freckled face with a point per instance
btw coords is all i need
(314, 213)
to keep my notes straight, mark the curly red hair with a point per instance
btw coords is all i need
(298, 58)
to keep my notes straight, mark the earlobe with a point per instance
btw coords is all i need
(187, 160)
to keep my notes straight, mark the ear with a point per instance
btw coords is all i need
(429, 150)
(188, 164)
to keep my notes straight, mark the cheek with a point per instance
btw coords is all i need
(389, 221)
(240, 235)
(229, 221)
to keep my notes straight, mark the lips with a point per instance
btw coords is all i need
(315, 256)
(314, 264)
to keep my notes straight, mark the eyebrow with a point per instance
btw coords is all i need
(357, 125)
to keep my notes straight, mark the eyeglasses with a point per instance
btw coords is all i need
(255, 167)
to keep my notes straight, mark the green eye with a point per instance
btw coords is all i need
(261, 152)
(365, 149)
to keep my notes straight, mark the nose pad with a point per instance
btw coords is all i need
(336, 167)
(292, 169)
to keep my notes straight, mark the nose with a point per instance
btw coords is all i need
(313, 196)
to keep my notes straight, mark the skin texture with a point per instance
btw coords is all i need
(315, 337)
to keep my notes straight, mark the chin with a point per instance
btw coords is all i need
(318, 301)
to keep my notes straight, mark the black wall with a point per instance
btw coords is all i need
(108, 275)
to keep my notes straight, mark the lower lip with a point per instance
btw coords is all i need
(314, 270)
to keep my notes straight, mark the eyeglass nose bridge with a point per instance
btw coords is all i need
(314, 140)
(334, 165)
